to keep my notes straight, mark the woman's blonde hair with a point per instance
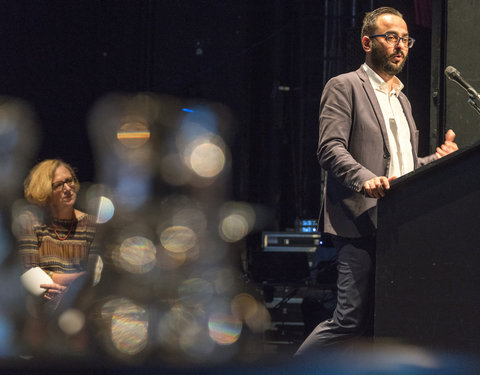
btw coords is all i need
(38, 184)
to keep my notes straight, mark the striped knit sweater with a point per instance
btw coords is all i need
(45, 243)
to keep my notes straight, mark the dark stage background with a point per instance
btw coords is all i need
(266, 60)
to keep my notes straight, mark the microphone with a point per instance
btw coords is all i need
(454, 75)
(474, 98)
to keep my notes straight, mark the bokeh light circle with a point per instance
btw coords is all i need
(106, 209)
(178, 239)
(224, 329)
(137, 254)
(129, 326)
(234, 227)
(207, 159)
(71, 321)
(237, 219)
(133, 134)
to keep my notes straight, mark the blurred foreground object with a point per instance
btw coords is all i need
(19, 143)
(172, 288)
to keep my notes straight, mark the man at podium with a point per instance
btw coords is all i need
(367, 138)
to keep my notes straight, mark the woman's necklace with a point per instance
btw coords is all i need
(69, 231)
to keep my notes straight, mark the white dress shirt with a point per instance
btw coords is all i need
(401, 151)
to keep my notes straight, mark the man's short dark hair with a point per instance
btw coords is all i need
(370, 20)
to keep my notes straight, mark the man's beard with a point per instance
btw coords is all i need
(381, 61)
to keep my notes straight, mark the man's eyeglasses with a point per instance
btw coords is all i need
(394, 39)
(70, 182)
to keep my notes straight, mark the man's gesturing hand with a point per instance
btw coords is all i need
(376, 187)
(448, 146)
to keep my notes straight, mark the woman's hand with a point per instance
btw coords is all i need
(52, 290)
(66, 278)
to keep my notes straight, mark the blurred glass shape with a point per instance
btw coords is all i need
(71, 321)
(133, 134)
(199, 140)
(171, 324)
(178, 239)
(196, 292)
(97, 271)
(105, 211)
(196, 342)
(166, 260)
(166, 171)
(128, 325)
(92, 193)
(393, 356)
(197, 123)
(19, 142)
(233, 228)
(21, 217)
(137, 255)
(4, 239)
(224, 329)
(244, 306)
(260, 321)
(173, 170)
(120, 128)
(8, 134)
(222, 278)
(192, 218)
(6, 336)
(237, 219)
(205, 158)
(133, 186)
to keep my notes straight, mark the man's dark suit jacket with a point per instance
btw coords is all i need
(353, 148)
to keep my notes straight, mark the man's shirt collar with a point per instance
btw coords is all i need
(379, 84)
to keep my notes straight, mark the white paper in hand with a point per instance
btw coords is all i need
(32, 279)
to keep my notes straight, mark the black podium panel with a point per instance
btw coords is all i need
(428, 256)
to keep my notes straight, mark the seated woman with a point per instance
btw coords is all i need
(56, 237)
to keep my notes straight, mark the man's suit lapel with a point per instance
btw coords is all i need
(367, 86)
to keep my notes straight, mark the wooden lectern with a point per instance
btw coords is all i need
(428, 256)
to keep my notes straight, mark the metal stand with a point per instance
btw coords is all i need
(474, 104)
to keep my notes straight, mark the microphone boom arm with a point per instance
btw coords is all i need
(473, 96)
(474, 105)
